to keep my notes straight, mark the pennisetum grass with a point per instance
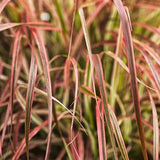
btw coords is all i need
(79, 79)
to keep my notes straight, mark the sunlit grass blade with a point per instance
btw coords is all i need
(88, 23)
(45, 64)
(101, 131)
(8, 26)
(40, 25)
(99, 72)
(87, 40)
(155, 129)
(118, 135)
(29, 100)
(132, 69)
(3, 4)
(16, 47)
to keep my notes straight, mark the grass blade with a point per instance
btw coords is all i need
(29, 100)
(45, 64)
(101, 131)
(16, 46)
(154, 71)
(3, 4)
(132, 69)
(118, 135)
(155, 129)
(86, 35)
(23, 144)
(8, 26)
(74, 63)
(99, 72)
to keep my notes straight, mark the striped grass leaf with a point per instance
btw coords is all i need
(99, 73)
(132, 69)
(44, 59)
(29, 100)
(118, 135)
(101, 131)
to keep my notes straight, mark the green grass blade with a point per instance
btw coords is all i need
(86, 35)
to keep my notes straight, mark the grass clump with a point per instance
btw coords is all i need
(79, 79)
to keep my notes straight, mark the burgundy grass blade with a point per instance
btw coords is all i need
(132, 69)
(29, 100)
(99, 73)
(101, 131)
(44, 59)
(16, 46)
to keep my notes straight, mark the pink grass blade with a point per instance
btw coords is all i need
(45, 64)
(66, 80)
(155, 129)
(16, 46)
(118, 135)
(39, 25)
(3, 4)
(101, 131)
(21, 147)
(74, 63)
(29, 100)
(99, 72)
(6, 26)
(132, 69)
